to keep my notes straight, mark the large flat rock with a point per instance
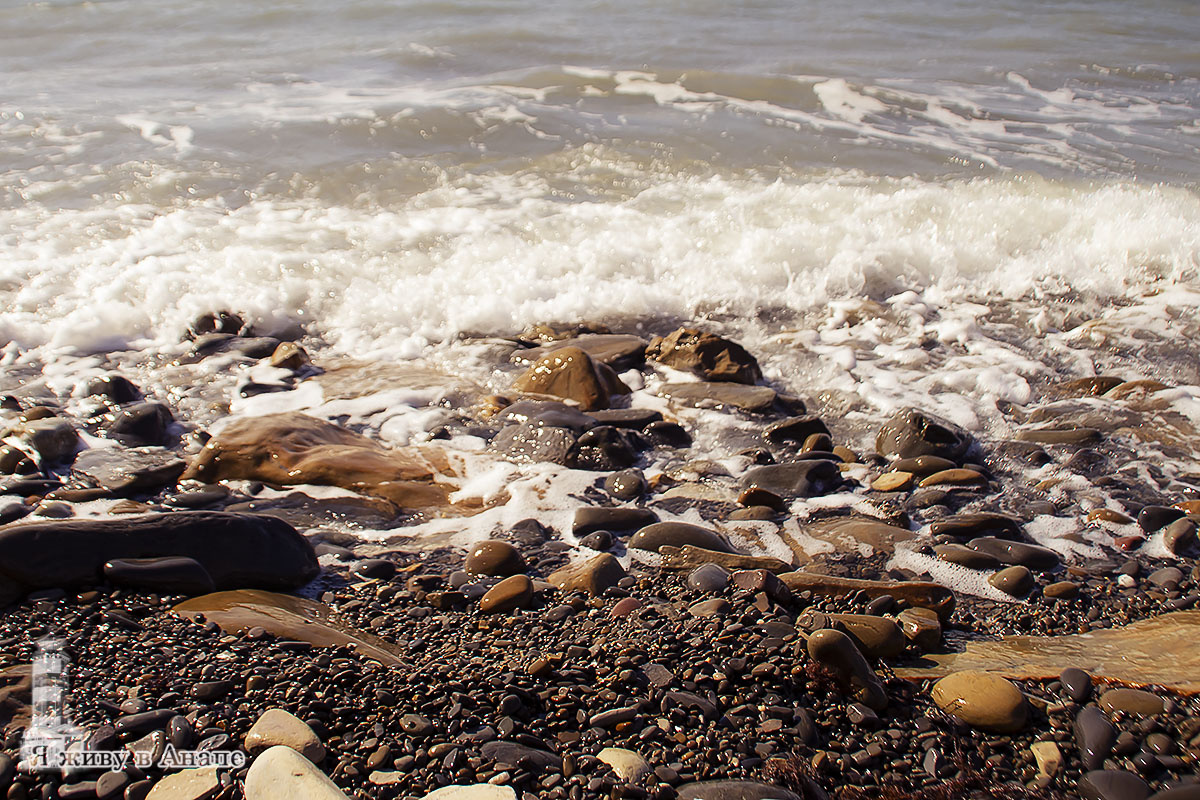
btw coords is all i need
(1161, 651)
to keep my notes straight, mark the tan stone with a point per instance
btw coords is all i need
(690, 556)
(953, 477)
(572, 374)
(921, 627)
(187, 784)
(1108, 515)
(893, 482)
(280, 772)
(289, 355)
(877, 637)
(982, 700)
(277, 727)
(294, 448)
(1132, 701)
(507, 595)
(711, 357)
(592, 576)
(847, 533)
(1048, 757)
(626, 764)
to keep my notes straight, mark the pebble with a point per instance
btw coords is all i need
(896, 481)
(593, 518)
(1153, 518)
(922, 627)
(495, 558)
(626, 764)
(982, 700)
(1095, 737)
(276, 727)
(511, 593)
(593, 576)
(709, 578)
(626, 484)
(966, 557)
(1048, 757)
(1026, 555)
(953, 477)
(1132, 701)
(1061, 590)
(1077, 683)
(280, 772)
(187, 784)
(1016, 581)
(734, 790)
(678, 534)
(837, 651)
(479, 791)
(1112, 784)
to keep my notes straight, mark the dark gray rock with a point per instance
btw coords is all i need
(1095, 736)
(510, 755)
(1027, 555)
(678, 534)
(709, 578)
(170, 575)
(594, 518)
(796, 479)
(635, 418)
(627, 484)
(912, 433)
(141, 424)
(1112, 784)
(530, 443)
(603, 448)
(124, 472)
(795, 429)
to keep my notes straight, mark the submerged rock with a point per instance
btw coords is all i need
(711, 394)
(912, 433)
(571, 373)
(711, 357)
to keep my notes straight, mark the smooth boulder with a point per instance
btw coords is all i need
(572, 374)
(982, 700)
(281, 772)
(678, 534)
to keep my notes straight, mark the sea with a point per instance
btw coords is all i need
(950, 204)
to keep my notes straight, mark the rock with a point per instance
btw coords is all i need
(626, 764)
(187, 784)
(1084, 387)
(911, 433)
(627, 484)
(1180, 537)
(286, 617)
(478, 791)
(141, 424)
(116, 388)
(510, 755)
(495, 558)
(1132, 701)
(982, 700)
(837, 652)
(1076, 683)
(531, 443)
(921, 627)
(677, 534)
(289, 355)
(897, 481)
(632, 418)
(877, 637)
(711, 357)
(378, 569)
(169, 575)
(1112, 784)
(572, 374)
(124, 472)
(966, 557)
(734, 790)
(797, 479)
(1016, 581)
(1165, 578)
(1159, 651)
(721, 396)
(1154, 518)
(1061, 590)
(619, 351)
(1185, 792)
(1066, 436)
(277, 727)
(13, 461)
(1094, 735)
(1026, 555)
(293, 448)
(709, 578)
(237, 550)
(933, 596)
(715, 607)
(597, 540)
(953, 477)
(1048, 757)
(667, 434)
(848, 533)
(592, 576)
(547, 414)
(922, 465)
(689, 557)
(53, 439)
(595, 518)
(602, 449)
(281, 772)
(795, 429)
(509, 594)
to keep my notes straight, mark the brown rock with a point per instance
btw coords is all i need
(1108, 515)
(1084, 387)
(707, 355)
(922, 465)
(496, 558)
(1071, 435)
(1016, 581)
(511, 593)
(294, 448)
(690, 557)
(761, 497)
(982, 700)
(1124, 391)
(921, 627)
(710, 394)
(619, 351)
(1062, 590)
(677, 534)
(966, 557)
(877, 637)
(933, 596)
(837, 652)
(289, 355)
(897, 481)
(572, 374)
(952, 477)
(849, 532)
(1132, 701)
(592, 576)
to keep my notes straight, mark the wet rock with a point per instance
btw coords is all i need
(711, 357)
(1076, 683)
(593, 518)
(761, 497)
(922, 465)
(851, 532)
(1112, 784)
(603, 449)
(795, 429)
(933, 596)
(677, 534)
(286, 617)
(510, 755)
(170, 575)
(633, 418)
(966, 557)
(921, 627)
(479, 791)
(734, 790)
(837, 652)
(509, 594)
(1026, 555)
(690, 557)
(709, 578)
(667, 434)
(571, 373)
(626, 764)
(1048, 758)
(1084, 387)
(237, 550)
(982, 700)
(294, 448)
(495, 558)
(53, 439)
(953, 477)
(877, 637)
(1016, 581)
(1180, 537)
(597, 540)
(379, 569)
(1061, 590)
(720, 396)
(1095, 736)
(1132, 701)
(116, 388)
(1073, 435)
(627, 484)
(547, 414)
(911, 433)
(14, 461)
(896, 481)
(125, 472)
(619, 351)
(141, 424)
(281, 772)
(1153, 518)
(531, 443)
(289, 355)
(592, 576)
(1166, 578)
(715, 607)
(796, 479)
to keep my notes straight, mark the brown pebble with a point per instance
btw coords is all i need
(1062, 590)
(511, 593)
(1108, 515)
(893, 482)
(953, 477)
(755, 496)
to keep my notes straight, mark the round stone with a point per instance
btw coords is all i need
(511, 593)
(709, 578)
(626, 764)
(1016, 581)
(496, 558)
(982, 700)
(1132, 701)
(627, 484)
